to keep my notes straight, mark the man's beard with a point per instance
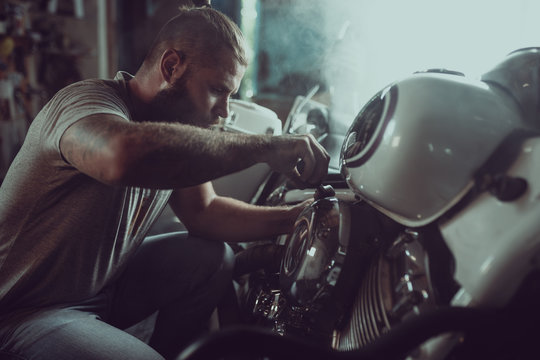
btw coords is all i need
(174, 105)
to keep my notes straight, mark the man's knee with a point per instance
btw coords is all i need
(70, 334)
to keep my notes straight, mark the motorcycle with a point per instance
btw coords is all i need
(424, 245)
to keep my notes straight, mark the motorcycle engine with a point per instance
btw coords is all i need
(348, 274)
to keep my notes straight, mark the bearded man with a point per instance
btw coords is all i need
(99, 163)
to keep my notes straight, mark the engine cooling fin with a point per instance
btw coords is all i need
(368, 320)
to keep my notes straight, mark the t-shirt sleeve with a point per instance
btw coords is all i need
(75, 102)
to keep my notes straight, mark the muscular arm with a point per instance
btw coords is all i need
(162, 155)
(208, 215)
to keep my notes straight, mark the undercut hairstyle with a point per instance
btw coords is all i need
(200, 34)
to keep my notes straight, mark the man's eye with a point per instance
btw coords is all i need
(218, 90)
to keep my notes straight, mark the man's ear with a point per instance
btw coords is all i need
(173, 65)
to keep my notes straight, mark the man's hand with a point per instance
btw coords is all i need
(291, 150)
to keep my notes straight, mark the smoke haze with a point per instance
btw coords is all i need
(361, 46)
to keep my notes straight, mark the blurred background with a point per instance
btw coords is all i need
(349, 49)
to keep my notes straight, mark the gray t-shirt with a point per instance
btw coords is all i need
(64, 235)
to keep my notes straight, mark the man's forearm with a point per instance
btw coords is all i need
(181, 155)
(157, 155)
(227, 219)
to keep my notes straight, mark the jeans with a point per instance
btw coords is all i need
(180, 276)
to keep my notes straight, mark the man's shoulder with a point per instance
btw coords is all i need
(100, 90)
(114, 85)
(89, 96)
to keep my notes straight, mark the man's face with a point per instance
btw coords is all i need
(201, 95)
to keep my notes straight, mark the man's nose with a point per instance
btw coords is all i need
(222, 107)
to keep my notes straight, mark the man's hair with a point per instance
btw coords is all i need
(200, 34)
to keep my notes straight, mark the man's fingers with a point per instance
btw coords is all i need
(301, 158)
(317, 160)
(308, 159)
(321, 170)
(313, 165)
